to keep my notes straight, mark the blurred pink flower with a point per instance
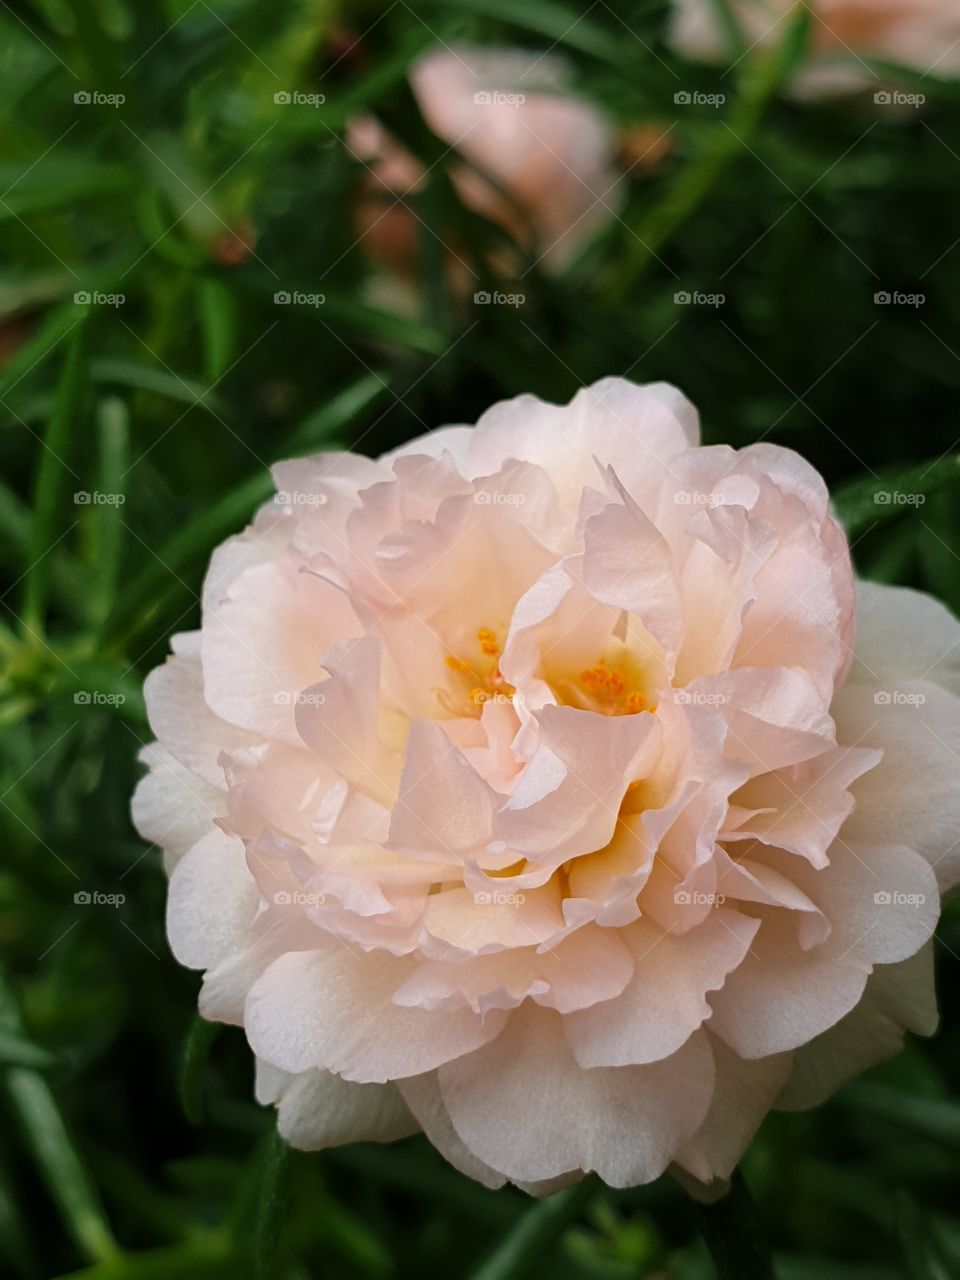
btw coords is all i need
(540, 161)
(922, 34)
(529, 786)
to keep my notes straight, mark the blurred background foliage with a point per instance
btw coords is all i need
(131, 1145)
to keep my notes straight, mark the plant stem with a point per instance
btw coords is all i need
(733, 1233)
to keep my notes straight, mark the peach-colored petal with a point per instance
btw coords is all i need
(547, 1116)
(333, 1009)
(664, 1004)
(212, 902)
(898, 998)
(744, 1091)
(316, 1109)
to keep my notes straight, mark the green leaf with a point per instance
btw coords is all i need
(145, 377)
(761, 78)
(113, 431)
(370, 322)
(866, 503)
(921, 1248)
(63, 188)
(102, 686)
(204, 1257)
(555, 22)
(327, 425)
(53, 1150)
(218, 319)
(14, 521)
(937, 1119)
(534, 1233)
(50, 491)
(17, 1051)
(227, 516)
(732, 30)
(28, 358)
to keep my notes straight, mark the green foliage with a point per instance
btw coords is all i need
(184, 209)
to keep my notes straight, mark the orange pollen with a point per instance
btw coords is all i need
(488, 643)
(609, 692)
(485, 672)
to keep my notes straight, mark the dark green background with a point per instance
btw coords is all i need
(179, 397)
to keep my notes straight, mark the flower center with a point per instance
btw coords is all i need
(613, 686)
(481, 677)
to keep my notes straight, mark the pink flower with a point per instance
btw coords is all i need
(922, 34)
(539, 159)
(529, 787)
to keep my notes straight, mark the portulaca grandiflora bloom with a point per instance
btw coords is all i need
(923, 35)
(550, 786)
(537, 159)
